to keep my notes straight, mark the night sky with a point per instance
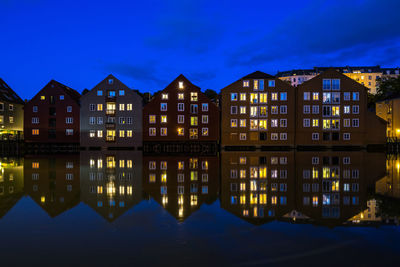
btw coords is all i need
(146, 44)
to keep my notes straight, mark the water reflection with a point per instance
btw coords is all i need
(53, 182)
(329, 188)
(111, 182)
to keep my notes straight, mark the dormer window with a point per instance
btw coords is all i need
(180, 85)
(164, 96)
(110, 81)
(246, 83)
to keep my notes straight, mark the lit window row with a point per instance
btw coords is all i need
(110, 107)
(258, 84)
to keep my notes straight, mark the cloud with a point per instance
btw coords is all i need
(347, 29)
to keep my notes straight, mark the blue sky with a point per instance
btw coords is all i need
(146, 44)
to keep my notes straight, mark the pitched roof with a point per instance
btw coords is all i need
(7, 94)
(71, 92)
(296, 72)
(258, 75)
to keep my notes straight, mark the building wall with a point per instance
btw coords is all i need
(239, 96)
(296, 80)
(11, 120)
(389, 111)
(206, 130)
(347, 121)
(367, 79)
(42, 101)
(126, 122)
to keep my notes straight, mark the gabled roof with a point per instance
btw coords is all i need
(296, 72)
(71, 92)
(258, 75)
(7, 94)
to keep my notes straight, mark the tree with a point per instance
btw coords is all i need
(212, 95)
(388, 87)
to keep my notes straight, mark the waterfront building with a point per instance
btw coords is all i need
(258, 110)
(11, 183)
(180, 114)
(389, 110)
(181, 184)
(52, 115)
(11, 114)
(332, 111)
(111, 116)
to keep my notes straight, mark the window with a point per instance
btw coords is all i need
(163, 118)
(92, 133)
(274, 109)
(315, 96)
(255, 83)
(335, 98)
(193, 96)
(100, 133)
(306, 109)
(121, 107)
(246, 83)
(99, 107)
(274, 123)
(180, 85)
(163, 106)
(283, 109)
(283, 136)
(274, 136)
(99, 93)
(274, 96)
(326, 111)
(315, 109)
(283, 96)
(69, 132)
(233, 96)
(243, 97)
(315, 136)
(128, 120)
(69, 108)
(253, 98)
(271, 83)
(242, 123)
(335, 111)
(152, 131)
(181, 131)
(356, 109)
(128, 107)
(346, 109)
(35, 131)
(204, 107)
(164, 96)
(69, 120)
(326, 98)
(242, 110)
(204, 119)
(346, 136)
(129, 133)
(315, 123)
(194, 121)
(163, 131)
(110, 81)
(121, 92)
(356, 96)
(242, 136)
(326, 84)
(181, 119)
(306, 95)
(306, 122)
(181, 106)
(193, 133)
(35, 120)
(356, 123)
(283, 123)
(346, 96)
(181, 96)
(42, 97)
(35, 109)
(346, 122)
(233, 122)
(335, 84)
(100, 120)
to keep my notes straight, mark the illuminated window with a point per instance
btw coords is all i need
(163, 177)
(274, 200)
(193, 176)
(35, 165)
(121, 107)
(243, 199)
(163, 131)
(315, 96)
(152, 131)
(253, 111)
(99, 107)
(274, 109)
(163, 165)
(315, 122)
(42, 97)
(243, 97)
(204, 165)
(315, 201)
(193, 96)
(129, 133)
(100, 133)
(121, 133)
(204, 131)
(99, 93)
(234, 97)
(163, 118)
(181, 131)
(35, 131)
(163, 106)
(181, 96)
(253, 124)
(263, 98)
(274, 96)
(233, 122)
(193, 134)
(164, 96)
(263, 111)
(99, 189)
(255, 83)
(128, 106)
(253, 98)
(242, 123)
(194, 121)
(242, 136)
(180, 85)
(246, 83)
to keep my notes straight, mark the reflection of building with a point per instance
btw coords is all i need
(390, 184)
(181, 184)
(332, 111)
(111, 116)
(52, 181)
(258, 186)
(258, 110)
(181, 113)
(332, 187)
(11, 183)
(11, 113)
(52, 115)
(111, 182)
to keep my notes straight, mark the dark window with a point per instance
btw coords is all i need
(52, 111)
(52, 100)
(52, 133)
(52, 122)
(263, 136)
(325, 160)
(326, 136)
(263, 160)
(335, 136)
(335, 160)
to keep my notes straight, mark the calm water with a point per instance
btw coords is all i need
(237, 208)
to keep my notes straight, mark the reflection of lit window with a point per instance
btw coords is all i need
(99, 189)
(274, 200)
(193, 176)
(152, 178)
(243, 199)
(35, 165)
(164, 177)
(181, 165)
(193, 200)
(129, 190)
(163, 165)
(181, 131)
(315, 201)
(204, 165)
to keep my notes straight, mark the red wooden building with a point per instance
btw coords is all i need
(52, 115)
